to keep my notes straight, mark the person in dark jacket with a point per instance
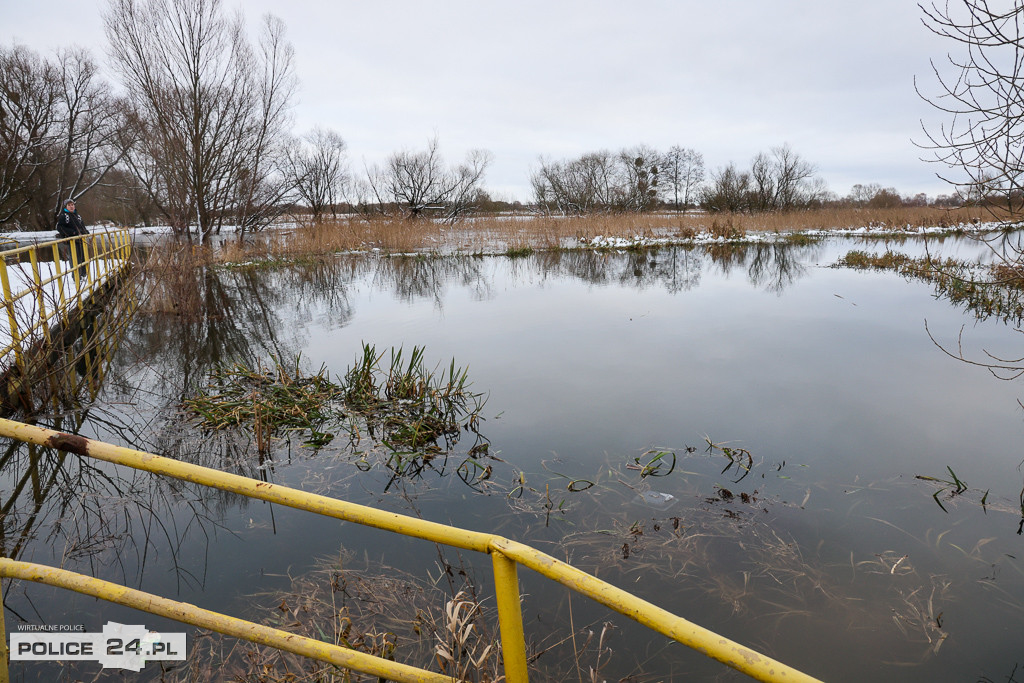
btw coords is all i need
(70, 224)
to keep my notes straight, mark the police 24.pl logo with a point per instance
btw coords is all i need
(119, 646)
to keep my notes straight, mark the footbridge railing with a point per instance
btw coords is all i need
(506, 556)
(44, 283)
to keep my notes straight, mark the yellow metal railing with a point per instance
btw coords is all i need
(506, 555)
(40, 290)
(190, 614)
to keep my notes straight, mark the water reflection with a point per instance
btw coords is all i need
(675, 269)
(820, 537)
(419, 277)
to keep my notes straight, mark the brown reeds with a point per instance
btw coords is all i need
(517, 235)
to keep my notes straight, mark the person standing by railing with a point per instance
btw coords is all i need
(70, 224)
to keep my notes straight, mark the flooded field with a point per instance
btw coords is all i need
(775, 449)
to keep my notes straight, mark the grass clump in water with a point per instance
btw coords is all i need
(415, 412)
(519, 252)
(271, 400)
(377, 610)
(408, 405)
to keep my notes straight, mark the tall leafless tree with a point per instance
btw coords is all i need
(780, 180)
(210, 110)
(794, 180)
(418, 183)
(318, 170)
(728, 190)
(260, 192)
(764, 187)
(861, 194)
(682, 172)
(93, 136)
(980, 88)
(639, 175)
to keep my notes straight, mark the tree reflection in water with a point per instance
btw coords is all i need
(126, 526)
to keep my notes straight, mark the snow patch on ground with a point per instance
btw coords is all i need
(602, 242)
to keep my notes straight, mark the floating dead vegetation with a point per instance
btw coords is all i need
(269, 402)
(738, 565)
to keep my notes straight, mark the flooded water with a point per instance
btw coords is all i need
(799, 404)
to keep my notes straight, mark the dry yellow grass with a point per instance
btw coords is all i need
(498, 234)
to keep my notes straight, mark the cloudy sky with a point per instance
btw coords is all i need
(558, 78)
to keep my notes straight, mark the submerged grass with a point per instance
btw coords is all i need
(438, 624)
(724, 554)
(377, 610)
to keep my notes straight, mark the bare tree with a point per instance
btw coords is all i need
(777, 181)
(682, 171)
(319, 174)
(764, 184)
(264, 182)
(418, 183)
(860, 194)
(639, 175)
(92, 136)
(981, 89)
(728, 190)
(794, 186)
(576, 187)
(60, 131)
(210, 110)
(29, 116)
(782, 181)
(599, 181)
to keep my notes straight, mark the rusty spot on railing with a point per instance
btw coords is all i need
(72, 443)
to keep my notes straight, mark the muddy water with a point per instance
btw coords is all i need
(798, 402)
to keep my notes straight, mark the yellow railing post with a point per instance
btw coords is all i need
(5, 281)
(510, 618)
(5, 675)
(58, 270)
(89, 252)
(76, 276)
(40, 299)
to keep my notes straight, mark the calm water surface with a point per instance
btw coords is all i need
(828, 553)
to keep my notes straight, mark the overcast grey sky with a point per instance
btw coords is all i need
(547, 77)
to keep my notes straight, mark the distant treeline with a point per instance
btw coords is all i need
(197, 134)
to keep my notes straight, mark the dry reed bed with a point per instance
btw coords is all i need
(500, 234)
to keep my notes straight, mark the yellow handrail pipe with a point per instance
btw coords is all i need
(239, 628)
